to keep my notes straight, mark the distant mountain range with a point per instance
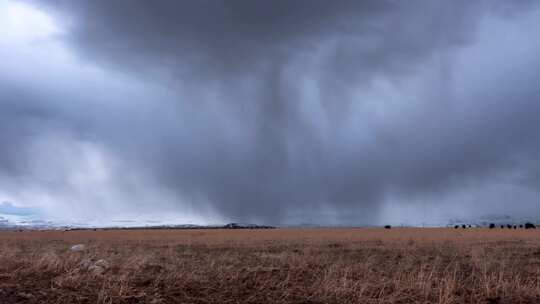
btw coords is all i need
(13, 217)
(6, 224)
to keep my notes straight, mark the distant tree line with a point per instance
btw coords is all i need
(508, 226)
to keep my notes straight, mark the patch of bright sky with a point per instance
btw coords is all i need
(21, 23)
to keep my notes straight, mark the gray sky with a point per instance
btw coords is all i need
(341, 112)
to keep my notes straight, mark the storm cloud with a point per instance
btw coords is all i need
(267, 110)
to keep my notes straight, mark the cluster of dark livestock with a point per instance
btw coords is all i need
(508, 226)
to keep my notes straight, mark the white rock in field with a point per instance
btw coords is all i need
(99, 267)
(78, 247)
(102, 264)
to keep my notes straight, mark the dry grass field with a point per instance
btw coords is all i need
(271, 266)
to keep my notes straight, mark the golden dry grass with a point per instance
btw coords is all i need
(272, 266)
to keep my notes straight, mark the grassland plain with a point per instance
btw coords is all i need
(406, 265)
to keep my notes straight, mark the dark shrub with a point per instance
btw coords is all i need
(464, 226)
(456, 226)
(387, 227)
(530, 226)
(491, 226)
(509, 226)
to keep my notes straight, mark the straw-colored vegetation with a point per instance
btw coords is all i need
(272, 266)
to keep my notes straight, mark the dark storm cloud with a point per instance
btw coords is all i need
(219, 40)
(261, 108)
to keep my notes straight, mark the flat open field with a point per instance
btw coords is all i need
(439, 265)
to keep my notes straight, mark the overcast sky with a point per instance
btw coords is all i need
(277, 112)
